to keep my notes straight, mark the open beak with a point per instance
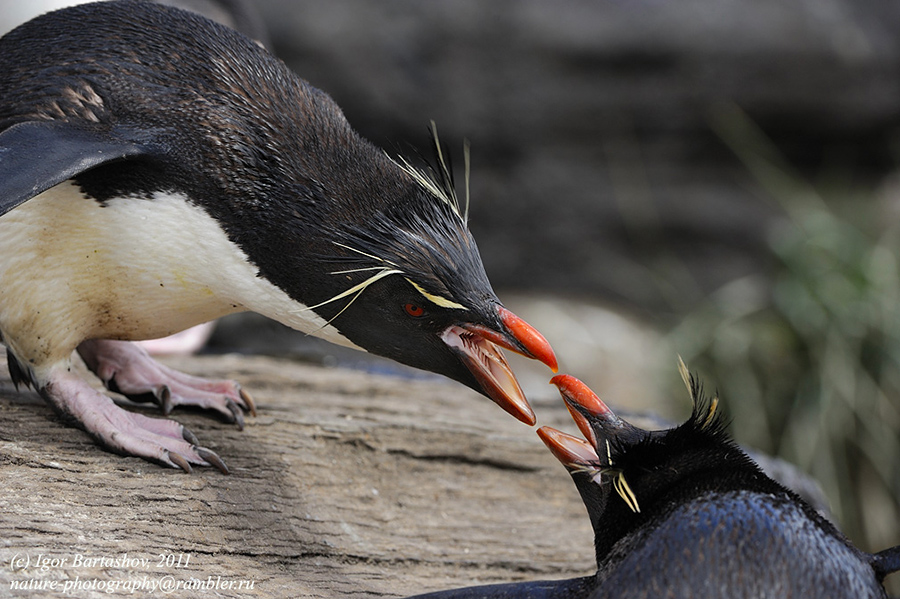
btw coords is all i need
(581, 402)
(574, 453)
(595, 420)
(477, 347)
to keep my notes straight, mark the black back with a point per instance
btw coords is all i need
(130, 98)
(200, 109)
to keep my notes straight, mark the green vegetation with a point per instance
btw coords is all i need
(807, 358)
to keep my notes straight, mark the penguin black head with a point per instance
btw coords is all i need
(686, 510)
(626, 472)
(132, 100)
(415, 267)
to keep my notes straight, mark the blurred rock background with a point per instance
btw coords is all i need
(708, 178)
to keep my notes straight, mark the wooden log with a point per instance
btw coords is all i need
(346, 484)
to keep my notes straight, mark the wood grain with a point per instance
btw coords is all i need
(346, 484)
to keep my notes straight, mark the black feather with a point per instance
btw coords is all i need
(269, 156)
(886, 562)
(20, 374)
(710, 523)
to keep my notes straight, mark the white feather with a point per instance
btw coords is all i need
(135, 268)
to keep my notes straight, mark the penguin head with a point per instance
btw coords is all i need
(628, 476)
(413, 289)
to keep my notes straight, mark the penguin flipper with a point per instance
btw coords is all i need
(886, 562)
(36, 155)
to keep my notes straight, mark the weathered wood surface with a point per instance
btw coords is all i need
(345, 485)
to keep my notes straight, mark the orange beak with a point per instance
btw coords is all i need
(477, 347)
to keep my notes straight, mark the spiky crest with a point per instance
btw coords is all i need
(426, 242)
(636, 456)
(437, 179)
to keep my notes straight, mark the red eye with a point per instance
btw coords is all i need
(414, 310)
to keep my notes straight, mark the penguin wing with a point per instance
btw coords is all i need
(886, 562)
(36, 155)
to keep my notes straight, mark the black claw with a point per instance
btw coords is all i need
(236, 412)
(179, 461)
(248, 399)
(189, 436)
(112, 385)
(213, 459)
(164, 400)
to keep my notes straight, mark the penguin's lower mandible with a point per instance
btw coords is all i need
(684, 513)
(158, 170)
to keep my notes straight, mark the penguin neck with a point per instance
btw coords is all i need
(730, 471)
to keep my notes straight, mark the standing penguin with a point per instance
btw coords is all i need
(685, 513)
(158, 170)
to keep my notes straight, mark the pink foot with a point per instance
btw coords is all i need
(155, 439)
(128, 369)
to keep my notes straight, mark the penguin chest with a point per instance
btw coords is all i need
(72, 268)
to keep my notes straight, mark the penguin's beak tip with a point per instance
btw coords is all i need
(571, 451)
(581, 401)
(576, 393)
(526, 416)
(533, 344)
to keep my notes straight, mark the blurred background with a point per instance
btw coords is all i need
(709, 178)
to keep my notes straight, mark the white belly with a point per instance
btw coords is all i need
(72, 269)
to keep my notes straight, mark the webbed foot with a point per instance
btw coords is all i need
(155, 439)
(126, 368)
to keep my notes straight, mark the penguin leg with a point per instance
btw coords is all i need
(127, 368)
(127, 433)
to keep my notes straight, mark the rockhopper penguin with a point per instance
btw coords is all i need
(685, 513)
(158, 170)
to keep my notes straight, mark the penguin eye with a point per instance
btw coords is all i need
(414, 310)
